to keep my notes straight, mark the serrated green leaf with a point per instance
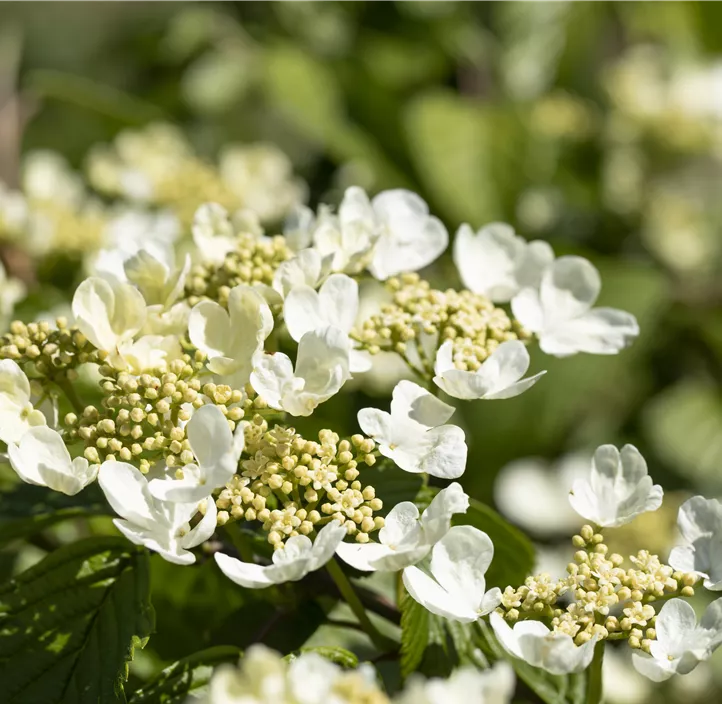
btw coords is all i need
(341, 656)
(69, 625)
(182, 678)
(414, 634)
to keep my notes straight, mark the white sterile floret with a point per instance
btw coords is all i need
(147, 353)
(322, 368)
(413, 434)
(534, 643)
(41, 458)
(335, 303)
(498, 377)
(700, 523)
(17, 414)
(12, 291)
(292, 562)
(307, 268)
(407, 537)
(454, 584)
(217, 452)
(680, 643)
(213, 233)
(157, 277)
(161, 526)
(619, 488)
(467, 685)
(560, 312)
(497, 263)
(231, 338)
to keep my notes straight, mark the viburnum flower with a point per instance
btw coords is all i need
(497, 263)
(407, 536)
(498, 377)
(307, 268)
(147, 353)
(618, 490)
(453, 585)
(335, 303)
(231, 338)
(213, 233)
(413, 434)
(700, 523)
(292, 562)
(217, 452)
(322, 368)
(161, 526)
(534, 643)
(17, 414)
(157, 277)
(41, 458)
(560, 312)
(680, 643)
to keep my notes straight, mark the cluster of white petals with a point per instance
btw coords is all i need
(17, 413)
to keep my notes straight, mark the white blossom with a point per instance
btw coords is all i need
(12, 291)
(534, 643)
(41, 458)
(335, 303)
(322, 368)
(147, 353)
(454, 584)
(619, 488)
(498, 377)
(161, 526)
(231, 338)
(307, 268)
(560, 312)
(700, 523)
(413, 434)
(17, 413)
(407, 536)
(680, 643)
(216, 451)
(497, 263)
(213, 233)
(292, 562)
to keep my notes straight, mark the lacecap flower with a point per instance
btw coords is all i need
(17, 413)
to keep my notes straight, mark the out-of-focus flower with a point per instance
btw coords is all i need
(17, 414)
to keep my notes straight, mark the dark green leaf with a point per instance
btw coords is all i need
(392, 484)
(69, 625)
(341, 656)
(185, 676)
(414, 634)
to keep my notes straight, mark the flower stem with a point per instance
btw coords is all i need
(67, 388)
(347, 592)
(240, 542)
(594, 677)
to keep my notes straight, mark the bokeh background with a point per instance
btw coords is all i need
(595, 126)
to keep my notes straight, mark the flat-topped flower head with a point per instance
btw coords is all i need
(680, 644)
(618, 490)
(161, 526)
(322, 368)
(534, 643)
(454, 584)
(407, 536)
(700, 523)
(414, 436)
(497, 263)
(292, 562)
(17, 413)
(561, 312)
(498, 377)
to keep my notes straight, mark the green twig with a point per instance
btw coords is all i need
(67, 388)
(594, 678)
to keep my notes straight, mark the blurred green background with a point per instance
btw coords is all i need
(595, 126)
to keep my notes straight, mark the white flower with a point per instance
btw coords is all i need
(298, 228)
(467, 685)
(413, 436)
(407, 537)
(41, 458)
(307, 268)
(534, 643)
(700, 523)
(680, 644)
(454, 585)
(560, 312)
(17, 414)
(147, 353)
(292, 562)
(497, 263)
(11, 292)
(619, 488)
(157, 278)
(217, 452)
(231, 337)
(498, 377)
(213, 233)
(161, 526)
(335, 303)
(322, 368)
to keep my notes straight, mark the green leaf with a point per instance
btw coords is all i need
(341, 656)
(414, 634)
(69, 625)
(184, 677)
(392, 484)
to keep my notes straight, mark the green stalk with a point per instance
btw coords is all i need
(594, 676)
(240, 542)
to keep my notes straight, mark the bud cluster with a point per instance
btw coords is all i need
(293, 486)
